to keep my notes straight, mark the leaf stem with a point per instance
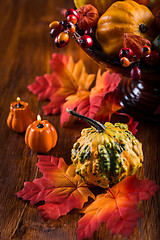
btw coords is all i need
(109, 190)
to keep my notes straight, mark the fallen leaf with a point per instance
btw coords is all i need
(80, 102)
(110, 105)
(60, 188)
(67, 79)
(94, 103)
(105, 83)
(117, 208)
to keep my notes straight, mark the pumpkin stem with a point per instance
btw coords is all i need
(99, 126)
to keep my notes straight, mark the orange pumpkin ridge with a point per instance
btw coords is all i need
(41, 139)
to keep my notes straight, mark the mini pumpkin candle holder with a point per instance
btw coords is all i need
(20, 116)
(41, 136)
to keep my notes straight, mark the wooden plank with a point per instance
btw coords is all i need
(26, 49)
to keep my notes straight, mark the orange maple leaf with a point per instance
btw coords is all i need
(60, 188)
(68, 78)
(117, 208)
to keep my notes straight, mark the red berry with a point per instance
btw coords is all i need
(72, 18)
(136, 73)
(72, 11)
(85, 41)
(152, 58)
(90, 32)
(125, 62)
(125, 52)
(55, 31)
(145, 50)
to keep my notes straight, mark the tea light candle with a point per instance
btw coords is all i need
(20, 116)
(41, 136)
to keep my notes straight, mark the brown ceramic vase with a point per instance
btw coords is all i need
(140, 98)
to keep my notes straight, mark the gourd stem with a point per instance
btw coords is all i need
(99, 126)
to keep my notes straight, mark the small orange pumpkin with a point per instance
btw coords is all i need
(41, 136)
(20, 116)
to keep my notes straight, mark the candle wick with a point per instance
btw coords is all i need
(19, 105)
(40, 125)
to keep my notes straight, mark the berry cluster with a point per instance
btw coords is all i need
(127, 58)
(60, 31)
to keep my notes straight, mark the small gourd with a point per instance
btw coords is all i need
(20, 116)
(105, 154)
(123, 17)
(41, 136)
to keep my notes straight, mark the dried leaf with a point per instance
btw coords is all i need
(67, 79)
(105, 83)
(60, 188)
(117, 208)
(135, 43)
(94, 104)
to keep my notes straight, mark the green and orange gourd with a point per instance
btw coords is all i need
(105, 154)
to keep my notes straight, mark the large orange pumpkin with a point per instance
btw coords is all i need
(123, 17)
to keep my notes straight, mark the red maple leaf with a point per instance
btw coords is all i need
(60, 188)
(117, 208)
(69, 87)
(90, 103)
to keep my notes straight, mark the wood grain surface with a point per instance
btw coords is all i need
(25, 51)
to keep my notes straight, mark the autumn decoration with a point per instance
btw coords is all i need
(41, 136)
(61, 190)
(117, 208)
(105, 154)
(66, 88)
(135, 43)
(123, 17)
(60, 187)
(100, 5)
(88, 17)
(20, 116)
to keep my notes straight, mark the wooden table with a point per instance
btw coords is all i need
(26, 49)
